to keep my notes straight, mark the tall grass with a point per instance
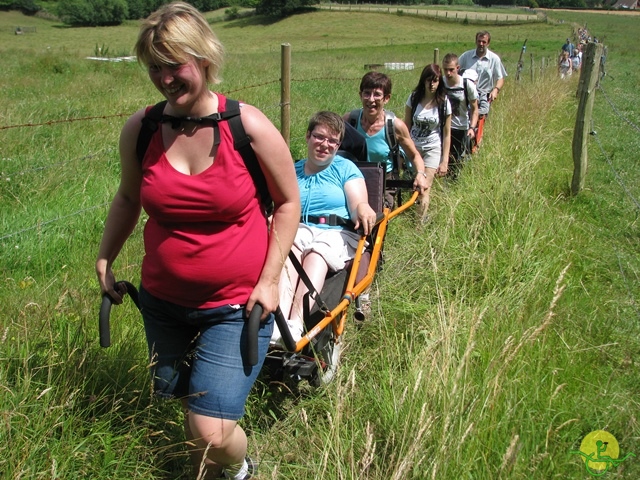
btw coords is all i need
(502, 332)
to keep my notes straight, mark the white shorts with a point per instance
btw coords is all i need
(336, 246)
(431, 156)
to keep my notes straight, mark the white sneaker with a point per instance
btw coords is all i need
(294, 327)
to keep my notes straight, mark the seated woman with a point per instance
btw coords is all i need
(329, 184)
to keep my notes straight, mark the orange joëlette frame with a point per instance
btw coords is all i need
(352, 290)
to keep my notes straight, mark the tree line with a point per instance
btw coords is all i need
(114, 12)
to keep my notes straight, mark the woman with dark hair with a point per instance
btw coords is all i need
(427, 114)
(372, 122)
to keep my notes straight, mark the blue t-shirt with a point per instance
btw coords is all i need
(323, 193)
(377, 146)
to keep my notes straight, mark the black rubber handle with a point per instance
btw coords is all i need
(105, 311)
(252, 334)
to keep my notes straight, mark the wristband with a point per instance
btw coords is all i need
(424, 174)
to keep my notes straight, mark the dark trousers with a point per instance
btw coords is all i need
(460, 147)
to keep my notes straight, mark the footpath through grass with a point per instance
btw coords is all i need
(502, 332)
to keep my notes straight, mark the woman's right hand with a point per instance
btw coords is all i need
(366, 217)
(107, 281)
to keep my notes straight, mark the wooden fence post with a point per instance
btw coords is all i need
(436, 56)
(520, 62)
(532, 70)
(589, 74)
(285, 91)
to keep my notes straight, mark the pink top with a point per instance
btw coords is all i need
(206, 237)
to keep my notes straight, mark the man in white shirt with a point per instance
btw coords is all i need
(491, 75)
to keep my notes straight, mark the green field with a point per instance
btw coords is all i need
(502, 333)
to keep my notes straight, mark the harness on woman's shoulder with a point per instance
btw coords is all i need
(241, 141)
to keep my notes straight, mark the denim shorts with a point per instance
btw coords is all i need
(201, 355)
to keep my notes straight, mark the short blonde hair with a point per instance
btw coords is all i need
(175, 32)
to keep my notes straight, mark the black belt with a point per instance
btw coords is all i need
(332, 220)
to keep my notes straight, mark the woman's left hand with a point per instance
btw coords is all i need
(266, 294)
(443, 168)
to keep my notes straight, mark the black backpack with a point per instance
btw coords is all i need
(464, 88)
(354, 145)
(241, 142)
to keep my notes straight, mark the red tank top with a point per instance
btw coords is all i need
(206, 236)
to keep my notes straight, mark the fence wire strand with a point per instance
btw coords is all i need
(65, 120)
(90, 156)
(119, 115)
(53, 220)
(615, 109)
(634, 305)
(615, 173)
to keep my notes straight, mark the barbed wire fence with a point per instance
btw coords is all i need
(108, 151)
(594, 134)
(615, 109)
(616, 113)
(7, 175)
(39, 225)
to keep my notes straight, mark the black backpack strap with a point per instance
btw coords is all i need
(332, 220)
(242, 143)
(304, 278)
(442, 116)
(392, 141)
(390, 132)
(150, 124)
(354, 115)
(465, 86)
